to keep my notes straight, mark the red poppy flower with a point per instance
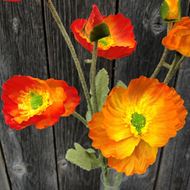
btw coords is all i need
(31, 101)
(121, 41)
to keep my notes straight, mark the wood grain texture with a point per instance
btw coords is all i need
(4, 178)
(61, 66)
(174, 172)
(149, 31)
(29, 153)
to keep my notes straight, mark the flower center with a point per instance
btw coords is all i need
(138, 121)
(32, 103)
(36, 100)
(106, 42)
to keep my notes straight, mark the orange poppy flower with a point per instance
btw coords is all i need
(135, 122)
(171, 9)
(31, 101)
(178, 38)
(118, 44)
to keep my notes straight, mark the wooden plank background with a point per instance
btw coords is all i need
(31, 44)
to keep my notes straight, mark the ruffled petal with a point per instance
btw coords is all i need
(109, 147)
(121, 30)
(142, 157)
(94, 19)
(31, 101)
(166, 118)
(115, 107)
(178, 38)
(119, 44)
(71, 98)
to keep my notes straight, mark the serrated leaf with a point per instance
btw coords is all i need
(102, 89)
(84, 158)
(121, 84)
(88, 115)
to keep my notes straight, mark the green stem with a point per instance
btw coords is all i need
(164, 56)
(160, 64)
(72, 50)
(111, 179)
(105, 178)
(80, 118)
(93, 76)
(174, 67)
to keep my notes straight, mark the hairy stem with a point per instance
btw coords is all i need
(93, 76)
(174, 67)
(80, 118)
(164, 55)
(160, 64)
(73, 52)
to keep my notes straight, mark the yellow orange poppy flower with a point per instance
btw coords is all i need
(178, 38)
(121, 41)
(31, 101)
(135, 122)
(171, 9)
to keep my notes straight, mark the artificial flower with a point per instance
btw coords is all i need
(31, 101)
(136, 121)
(178, 38)
(121, 41)
(171, 10)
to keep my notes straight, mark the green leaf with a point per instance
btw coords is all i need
(164, 10)
(102, 89)
(121, 84)
(99, 31)
(88, 114)
(90, 151)
(84, 158)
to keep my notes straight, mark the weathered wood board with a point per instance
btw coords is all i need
(29, 153)
(4, 182)
(174, 170)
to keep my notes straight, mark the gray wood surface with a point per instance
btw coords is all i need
(31, 44)
(174, 171)
(4, 182)
(29, 153)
